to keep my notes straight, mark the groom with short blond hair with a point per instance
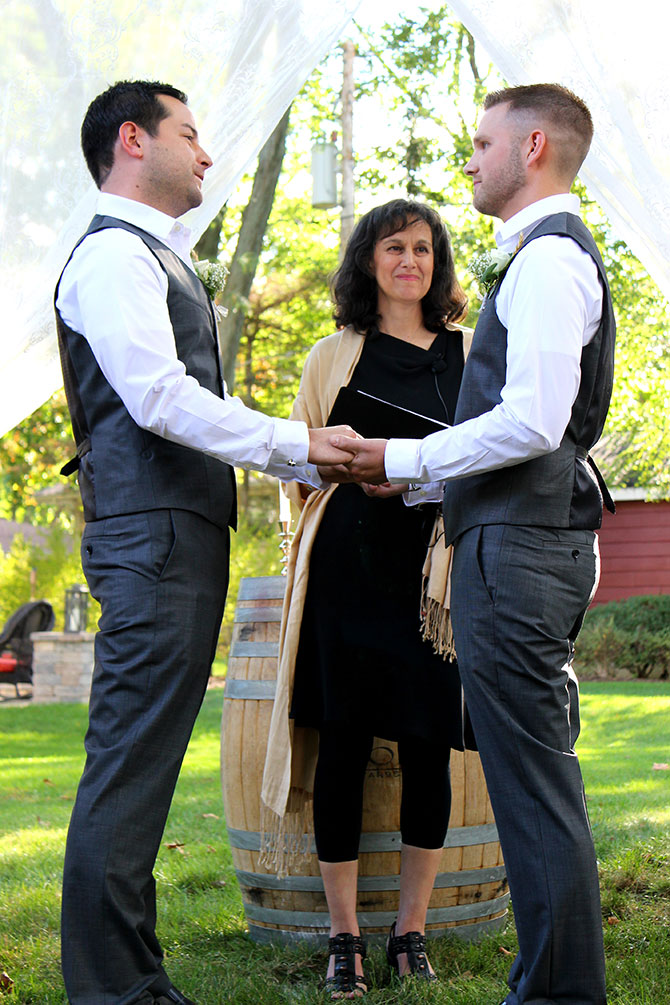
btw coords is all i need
(522, 500)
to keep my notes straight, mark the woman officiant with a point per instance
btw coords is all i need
(353, 664)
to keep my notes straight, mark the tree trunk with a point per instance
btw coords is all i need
(249, 243)
(347, 217)
(207, 247)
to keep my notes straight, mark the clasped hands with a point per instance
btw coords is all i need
(341, 455)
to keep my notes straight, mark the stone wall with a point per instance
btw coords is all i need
(62, 666)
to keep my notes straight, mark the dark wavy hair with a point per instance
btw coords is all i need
(354, 287)
(126, 101)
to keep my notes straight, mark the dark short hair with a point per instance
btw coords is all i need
(125, 101)
(558, 107)
(354, 287)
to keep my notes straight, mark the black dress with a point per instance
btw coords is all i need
(361, 659)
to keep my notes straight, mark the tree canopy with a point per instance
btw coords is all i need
(419, 83)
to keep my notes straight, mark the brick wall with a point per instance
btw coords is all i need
(62, 666)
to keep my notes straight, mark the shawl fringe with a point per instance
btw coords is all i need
(287, 840)
(436, 626)
(436, 594)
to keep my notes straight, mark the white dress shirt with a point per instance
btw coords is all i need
(550, 302)
(114, 293)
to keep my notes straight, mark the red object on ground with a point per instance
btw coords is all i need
(7, 663)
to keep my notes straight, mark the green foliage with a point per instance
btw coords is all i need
(636, 440)
(289, 307)
(631, 635)
(599, 647)
(31, 456)
(649, 612)
(424, 65)
(42, 571)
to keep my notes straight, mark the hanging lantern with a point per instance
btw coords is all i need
(76, 607)
(324, 175)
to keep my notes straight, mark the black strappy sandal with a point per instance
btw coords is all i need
(345, 979)
(414, 944)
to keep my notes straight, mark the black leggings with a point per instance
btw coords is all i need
(338, 792)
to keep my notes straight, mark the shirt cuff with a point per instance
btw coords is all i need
(401, 460)
(307, 475)
(291, 443)
(429, 492)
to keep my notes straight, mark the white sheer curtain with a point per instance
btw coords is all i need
(614, 55)
(240, 61)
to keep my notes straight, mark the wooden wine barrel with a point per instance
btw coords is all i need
(470, 896)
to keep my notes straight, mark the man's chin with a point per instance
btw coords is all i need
(194, 199)
(481, 204)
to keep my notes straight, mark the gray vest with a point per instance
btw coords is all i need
(122, 467)
(561, 489)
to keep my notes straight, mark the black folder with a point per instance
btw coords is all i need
(375, 418)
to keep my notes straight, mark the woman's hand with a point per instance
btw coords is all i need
(384, 491)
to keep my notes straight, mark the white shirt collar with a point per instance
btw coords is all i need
(528, 218)
(166, 228)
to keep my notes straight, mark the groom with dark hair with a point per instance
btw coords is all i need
(522, 500)
(156, 435)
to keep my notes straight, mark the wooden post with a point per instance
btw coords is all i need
(347, 218)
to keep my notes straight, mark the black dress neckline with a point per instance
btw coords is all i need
(395, 339)
(422, 380)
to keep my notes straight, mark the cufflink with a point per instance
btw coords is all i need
(414, 486)
(291, 463)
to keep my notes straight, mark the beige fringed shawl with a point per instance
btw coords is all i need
(286, 795)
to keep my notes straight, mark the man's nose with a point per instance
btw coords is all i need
(469, 168)
(205, 159)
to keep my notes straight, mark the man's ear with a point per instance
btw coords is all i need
(130, 138)
(535, 146)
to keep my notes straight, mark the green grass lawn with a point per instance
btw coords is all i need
(625, 734)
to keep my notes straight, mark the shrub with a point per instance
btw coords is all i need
(599, 646)
(630, 635)
(42, 572)
(650, 612)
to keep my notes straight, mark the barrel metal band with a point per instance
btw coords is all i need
(314, 884)
(260, 690)
(262, 588)
(249, 649)
(457, 837)
(257, 614)
(320, 919)
(279, 936)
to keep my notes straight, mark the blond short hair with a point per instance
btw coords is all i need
(566, 117)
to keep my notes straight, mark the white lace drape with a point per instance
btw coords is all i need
(614, 55)
(240, 61)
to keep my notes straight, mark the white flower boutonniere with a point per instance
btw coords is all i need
(490, 266)
(213, 276)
